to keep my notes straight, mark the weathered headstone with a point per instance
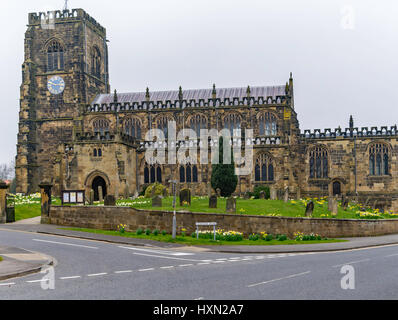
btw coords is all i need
(367, 201)
(262, 194)
(286, 195)
(126, 192)
(185, 196)
(333, 205)
(231, 205)
(344, 202)
(157, 201)
(91, 197)
(109, 200)
(273, 194)
(298, 194)
(213, 201)
(309, 209)
(100, 193)
(246, 196)
(165, 192)
(218, 191)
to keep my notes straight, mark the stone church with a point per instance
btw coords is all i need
(76, 134)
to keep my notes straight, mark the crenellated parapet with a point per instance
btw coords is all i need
(383, 131)
(197, 143)
(182, 104)
(62, 15)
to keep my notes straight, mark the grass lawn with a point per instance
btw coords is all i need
(29, 206)
(292, 208)
(188, 240)
(1, 259)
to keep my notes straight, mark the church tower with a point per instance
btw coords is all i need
(65, 66)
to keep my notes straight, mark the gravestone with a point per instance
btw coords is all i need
(213, 201)
(333, 205)
(126, 192)
(91, 198)
(367, 202)
(344, 202)
(309, 209)
(165, 193)
(109, 200)
(157, 201)
(100, 194)
(298, 194)
(273, 195)
(185, 196)
(231, 205)
(286, 195)
(262, 194)
(218, 191)
(246, 196)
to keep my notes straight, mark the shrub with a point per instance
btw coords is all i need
(269, 237)
(155, 232)
(158, 190)
(254, 237)
(121, 228)
(164, 232)
(147, 232)
(139, 231)
(258, 189)
(281, 237)
(223, 175)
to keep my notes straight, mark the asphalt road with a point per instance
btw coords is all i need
(97, 270)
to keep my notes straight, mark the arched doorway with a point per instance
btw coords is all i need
(336, 188)
(99, 182)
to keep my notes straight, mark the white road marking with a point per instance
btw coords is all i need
(352, 262)
(67, 278)
(40, 280)
(222, 259)
(124, 271)
(219, 261)
(273, 280)
(392, 255)
(171, 253)
(7, 284)
(200, 298)
(174, 258)
(167, 267)
(148, 269)
(66, 244)
(186, 265)
(203, 263)
(97, 274)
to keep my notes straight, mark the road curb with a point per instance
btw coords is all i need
(50, 261)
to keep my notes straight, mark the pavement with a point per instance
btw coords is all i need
(33, 225)
(20, 262)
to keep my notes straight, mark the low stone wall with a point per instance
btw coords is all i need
(107, 218)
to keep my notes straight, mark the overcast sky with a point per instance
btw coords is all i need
(343, 54)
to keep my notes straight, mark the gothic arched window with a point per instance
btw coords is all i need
(378, 159)
(188, 173)
(162, 124)
(96, 62)
(319, 167)
(101, 126)
(232, 122)
(146, 175)
(132, 127)
(197, 123)
(55, 56)
(267, 124)
(264, 168)
(152, 174)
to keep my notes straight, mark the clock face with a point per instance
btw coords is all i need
(56, 85)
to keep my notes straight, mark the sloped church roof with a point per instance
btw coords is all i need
(192, 94)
